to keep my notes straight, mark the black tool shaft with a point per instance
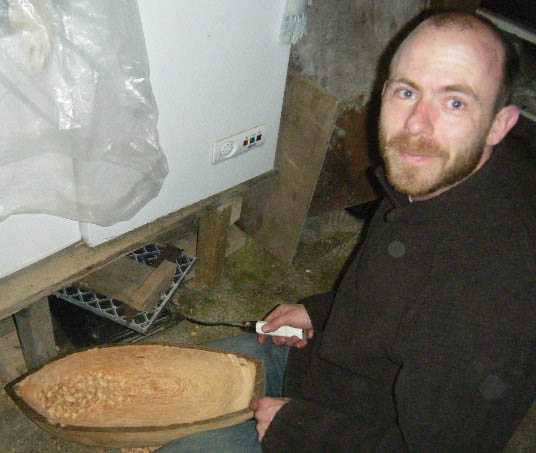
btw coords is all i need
(244, 325)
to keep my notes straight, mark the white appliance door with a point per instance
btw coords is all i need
(27, 238)
(217, 69)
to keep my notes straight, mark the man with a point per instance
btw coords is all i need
(429, 342)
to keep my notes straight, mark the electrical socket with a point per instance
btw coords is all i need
(237, 144)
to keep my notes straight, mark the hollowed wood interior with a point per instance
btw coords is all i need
(139, 386)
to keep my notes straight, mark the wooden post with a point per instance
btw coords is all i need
(11, 361)
(36, 335)
(211, 243)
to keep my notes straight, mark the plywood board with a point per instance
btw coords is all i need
(275, 215)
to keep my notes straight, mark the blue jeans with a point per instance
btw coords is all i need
(240, 438)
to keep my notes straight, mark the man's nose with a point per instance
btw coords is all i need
(420, 120)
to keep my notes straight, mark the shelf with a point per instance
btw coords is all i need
(523, 32)
(530, 116)
(509, 26)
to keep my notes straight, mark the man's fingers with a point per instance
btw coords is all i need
(261, 430)
(270, 326)
(265, 410)
(265, 404)
(283, 341)
(254, 405)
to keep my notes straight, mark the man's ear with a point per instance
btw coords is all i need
(503, 122)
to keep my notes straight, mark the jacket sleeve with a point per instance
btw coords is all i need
(466, 379)
(470, 385)
(469, 359)
(304, 426)
(318, 307)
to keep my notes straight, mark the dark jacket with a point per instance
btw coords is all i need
(429, 342)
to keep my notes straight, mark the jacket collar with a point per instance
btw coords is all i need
(397, 199)
(459, 198)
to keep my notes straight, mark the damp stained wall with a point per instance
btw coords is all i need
(344, 42)
(341, 52)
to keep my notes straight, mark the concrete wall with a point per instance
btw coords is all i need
(341, 52)
(344, 42)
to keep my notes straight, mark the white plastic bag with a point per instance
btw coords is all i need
(78, 136)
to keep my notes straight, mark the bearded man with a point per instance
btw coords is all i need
(429, 342)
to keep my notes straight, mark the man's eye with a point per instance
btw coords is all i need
(405, 93)
(455, 104)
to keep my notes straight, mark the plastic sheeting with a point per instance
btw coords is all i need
(294, 23)
(78, 135)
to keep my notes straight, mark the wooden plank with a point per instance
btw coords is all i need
(188, 244)
(7, 326)
(43, 278)
(136, 284)
(118, 280)
(236, 239)
(211, 243)
(36, 335)
(151, 290)
(12, 363)
(170, 253)
(344, 179)
(275, 214)
(236, 210)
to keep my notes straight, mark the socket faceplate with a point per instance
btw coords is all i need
(237, 144)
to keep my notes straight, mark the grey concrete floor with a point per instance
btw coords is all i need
(253, 283)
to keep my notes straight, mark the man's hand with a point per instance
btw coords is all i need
(265, 410)
(294, 315)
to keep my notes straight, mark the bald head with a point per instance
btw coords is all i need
(466, 23)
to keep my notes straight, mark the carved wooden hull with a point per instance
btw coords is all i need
(139, 395)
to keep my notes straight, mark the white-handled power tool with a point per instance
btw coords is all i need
(256, 327)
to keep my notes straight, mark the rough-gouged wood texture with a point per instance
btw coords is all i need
(141, 428)
(274, 213)
(43, 278)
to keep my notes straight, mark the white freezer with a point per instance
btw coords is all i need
(217, 68)
(27, 238)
